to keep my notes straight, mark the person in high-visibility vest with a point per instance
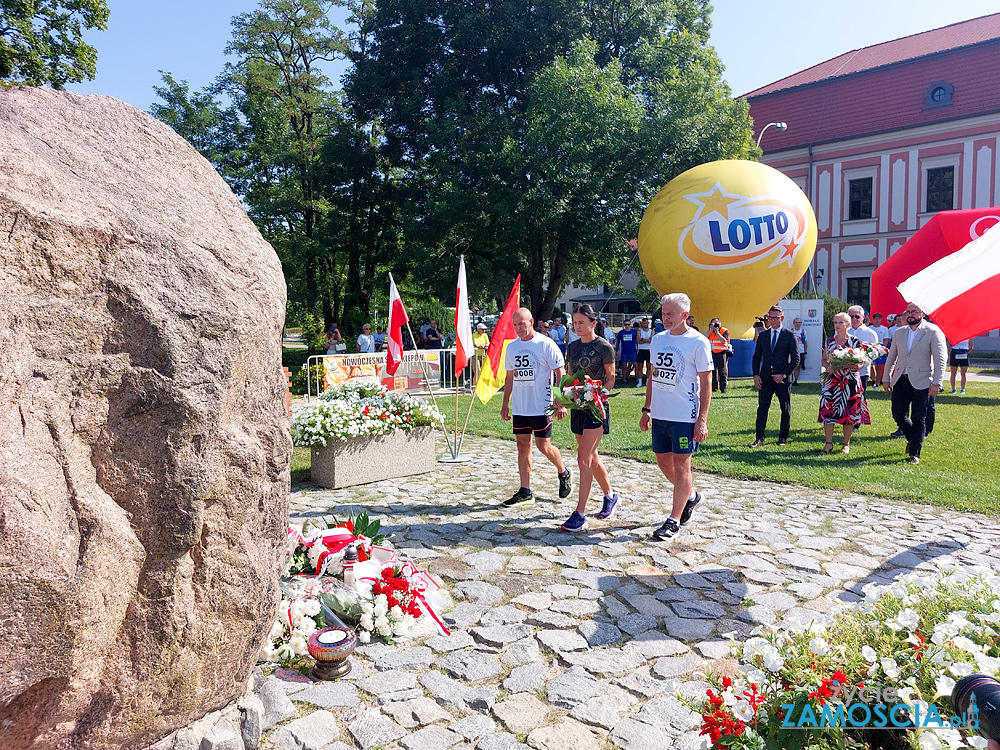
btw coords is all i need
(721, 349)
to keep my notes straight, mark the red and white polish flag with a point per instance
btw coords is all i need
(961, 292)
(397, 319)
(463, 321)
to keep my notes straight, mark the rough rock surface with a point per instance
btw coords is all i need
(144, 469)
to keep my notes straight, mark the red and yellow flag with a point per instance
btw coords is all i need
(493, 374)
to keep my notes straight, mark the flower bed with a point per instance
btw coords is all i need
(914, 637)
(361, 432)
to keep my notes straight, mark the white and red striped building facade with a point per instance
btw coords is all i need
(882, 138)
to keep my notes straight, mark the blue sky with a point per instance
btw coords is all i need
(759, 41)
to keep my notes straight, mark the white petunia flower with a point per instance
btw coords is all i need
(819, 646)
(869, 653)
(742, 710)
(943, 686)
(890, 667)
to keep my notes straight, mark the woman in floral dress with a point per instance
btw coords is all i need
(841, 401)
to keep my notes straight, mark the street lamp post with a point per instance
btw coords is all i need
(778, 125)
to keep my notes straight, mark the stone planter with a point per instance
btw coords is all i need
(344, 463)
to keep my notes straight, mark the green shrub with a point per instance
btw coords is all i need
(316, 373)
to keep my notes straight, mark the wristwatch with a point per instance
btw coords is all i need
(645, 410)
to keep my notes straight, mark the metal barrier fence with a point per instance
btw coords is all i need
(436, 365)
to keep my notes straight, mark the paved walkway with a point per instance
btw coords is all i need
(572, 641)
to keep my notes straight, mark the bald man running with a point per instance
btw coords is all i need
(531, 361)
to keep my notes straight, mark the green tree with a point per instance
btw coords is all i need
(41, 41)
(539, 131)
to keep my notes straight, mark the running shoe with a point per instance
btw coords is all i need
(518, 498)
(610, 506)
(689, 507)
(565, 485)
(576, 522)
(669, 528)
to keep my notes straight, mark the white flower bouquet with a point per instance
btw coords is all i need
(853, 357)
(353, 409)
(912, 640)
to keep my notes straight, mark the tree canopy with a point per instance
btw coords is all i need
(41, 41)
(529, 136)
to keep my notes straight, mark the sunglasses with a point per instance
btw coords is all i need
(857, 316)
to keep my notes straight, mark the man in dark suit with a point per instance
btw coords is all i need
(775, 358)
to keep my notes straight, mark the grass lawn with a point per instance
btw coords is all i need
(959, 465)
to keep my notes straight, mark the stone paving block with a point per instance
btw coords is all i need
(799, 561)
(470, 666)
(630, 734)
(634, 623)
(717, 649)
(382, 683)
(278, 707)
(676, 666)
(600, 633)
(527, 678)
(311, 732)
(459, 639)
(371, 728)
(431, 738)
(331, 695)
(464, 615)
(574, 686)
(547, 619)
(700, 609)
(668, 714)
(500, 741)
(604, 711)
(416, 657)
(563, 591)
(565, 734)
(401, 696)
(480, 592)
(655, 643)
(576, 607)
(505, 615)
(473, 727)
(418, 712)
(676, 595)
(607, 661)
(778, 601)
(223, 736)
(454, 694)
(649, 605)
(535, 601)
(501, 635)
(693, 581)
(644, 685)
(486, 563)
(523, 652)
(561, 641)
(688, 629)
(521, 712)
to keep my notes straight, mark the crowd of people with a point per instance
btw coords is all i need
(680, 368)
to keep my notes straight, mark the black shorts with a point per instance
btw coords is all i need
(958, 358)
(673, 437)
(642, 355)
(540, 425)
(580, 420)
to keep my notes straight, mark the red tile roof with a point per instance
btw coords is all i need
(962, 34)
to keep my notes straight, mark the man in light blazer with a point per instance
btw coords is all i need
(775, 357)
(916, 362)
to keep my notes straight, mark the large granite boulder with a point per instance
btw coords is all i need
(144, 440)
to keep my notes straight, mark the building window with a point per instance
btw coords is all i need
(940, 189)
(859, 291)
(860, 199)
(938, 94)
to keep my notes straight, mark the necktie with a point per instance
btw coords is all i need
(774, 339)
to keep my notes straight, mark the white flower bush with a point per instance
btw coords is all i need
(357, 408)
(918, 636)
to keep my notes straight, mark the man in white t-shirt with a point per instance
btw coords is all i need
(884, 335)
(678, 394)
(862, 333)
(366, 341)
(644, 334)
(532, 360)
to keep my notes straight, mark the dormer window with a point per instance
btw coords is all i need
(938, 94)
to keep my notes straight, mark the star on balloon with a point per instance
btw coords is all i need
(716, 199)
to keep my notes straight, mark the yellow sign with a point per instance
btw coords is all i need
(735, 236)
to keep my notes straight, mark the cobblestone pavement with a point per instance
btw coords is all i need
(579, 641)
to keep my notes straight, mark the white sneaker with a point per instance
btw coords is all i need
(638, 384)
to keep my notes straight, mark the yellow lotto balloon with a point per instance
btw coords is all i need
(735, 236)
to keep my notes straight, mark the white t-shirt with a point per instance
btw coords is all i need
(645, 337)
(800, 338)
(366, 343)
(676, 362)
(865, 334)
(531, 363)
(883, 333)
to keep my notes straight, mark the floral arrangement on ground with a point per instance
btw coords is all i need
(386, 600)
(876, 673)
(359, 408)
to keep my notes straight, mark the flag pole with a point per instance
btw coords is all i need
(427, 382)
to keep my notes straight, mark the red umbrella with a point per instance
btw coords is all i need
(947, 232)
